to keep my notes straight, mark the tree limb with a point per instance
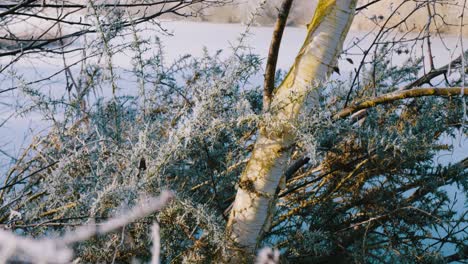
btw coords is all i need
(270, 70)
(399, 95)
(425, 79)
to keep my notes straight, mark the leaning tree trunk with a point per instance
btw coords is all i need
(255, 200)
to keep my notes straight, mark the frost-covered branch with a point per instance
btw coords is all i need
(58, 250)
(268, 256)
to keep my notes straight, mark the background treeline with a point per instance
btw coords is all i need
(447, 18)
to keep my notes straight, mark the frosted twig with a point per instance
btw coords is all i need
(57, 250)
(268, 256)
(156, 244)
(41, 251)
(145, 208)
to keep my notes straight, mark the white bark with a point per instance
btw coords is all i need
(254, 203)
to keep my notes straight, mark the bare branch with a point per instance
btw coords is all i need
(270, 70)
(425, 79)
(391, 97)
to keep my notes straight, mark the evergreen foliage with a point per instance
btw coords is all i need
(372, 191)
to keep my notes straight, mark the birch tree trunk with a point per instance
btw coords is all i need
(255, 200)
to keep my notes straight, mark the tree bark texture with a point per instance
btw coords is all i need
(255, 200)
